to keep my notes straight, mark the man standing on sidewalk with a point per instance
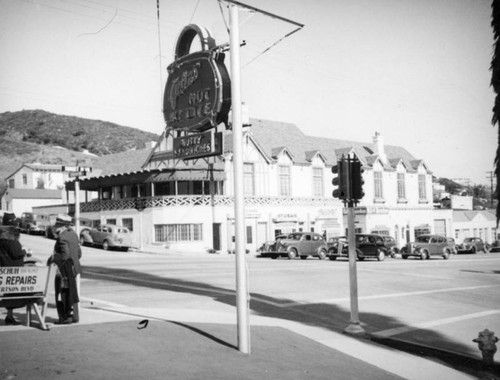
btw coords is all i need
(67, 254)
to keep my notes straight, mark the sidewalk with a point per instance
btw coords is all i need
(194, 344)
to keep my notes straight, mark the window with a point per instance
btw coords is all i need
(164, 188)
(25, 179)
(11, 184)
(129, 223)
(318, 182)
(248, 179)
(178, 232)
(284, 178)
(111, 221)
(401, 186)
(422, 231)
(422, 191)
(377, 177)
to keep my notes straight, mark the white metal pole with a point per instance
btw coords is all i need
(242, 298)
(77, 206)
(354, 326)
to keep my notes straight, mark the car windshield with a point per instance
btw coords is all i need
(423, 239)
(468, 240)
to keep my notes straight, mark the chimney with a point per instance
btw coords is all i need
(378, 144)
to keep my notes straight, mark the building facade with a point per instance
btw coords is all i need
(189, 205)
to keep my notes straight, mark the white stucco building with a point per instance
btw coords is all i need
(287, 180)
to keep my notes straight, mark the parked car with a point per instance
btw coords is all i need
(473, 245)
(9, 219)
(300, 244)
(367, 246)
(336, 243)
(495, 246)
(107, 236)
(269, 248)
(426, 246)
(390, 245)
(452, 245)
(32, 223)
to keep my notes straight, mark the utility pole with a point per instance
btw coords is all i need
(490, 177)
(242, 295)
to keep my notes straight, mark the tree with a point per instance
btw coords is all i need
(495, 83)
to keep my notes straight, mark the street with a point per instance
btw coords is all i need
(435, 302)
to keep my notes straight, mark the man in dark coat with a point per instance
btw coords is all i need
(67, 254)
(11, 255)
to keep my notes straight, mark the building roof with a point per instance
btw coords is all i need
(37, 168)
(272, 135)
(33, 194)
(272, 138)
(469, 215)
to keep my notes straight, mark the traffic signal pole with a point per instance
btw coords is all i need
(354, 326)
(348, 178)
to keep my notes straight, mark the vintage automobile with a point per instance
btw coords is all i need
(473, 245)
(367, 246)
(391, 245)
(298, 244)
(31, 223)
(453, 245)
(269, 248)
(9, 219)
(107, 236)
(333, 246)
(426, 246)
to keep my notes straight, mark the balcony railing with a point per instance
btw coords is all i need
(199, 200)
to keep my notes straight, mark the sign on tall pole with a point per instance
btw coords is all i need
(242, 296)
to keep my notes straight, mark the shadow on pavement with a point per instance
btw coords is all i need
(323, 315)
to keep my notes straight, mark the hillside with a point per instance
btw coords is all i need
(40, 136)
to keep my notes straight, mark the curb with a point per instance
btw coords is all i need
(464, 363)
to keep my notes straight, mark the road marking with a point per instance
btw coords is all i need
(438, 322)
(377, 296)
(402, 273)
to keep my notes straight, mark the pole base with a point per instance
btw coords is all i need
(354, 329)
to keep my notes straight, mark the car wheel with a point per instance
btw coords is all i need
(380, 255)
(105, 245)
(322, 254)
(303, 257)
(274, 257)
(82, 240)
(446, 254)
(292, 254)
(424, 255)
(473, 250)
(333, 258)
(404, 257)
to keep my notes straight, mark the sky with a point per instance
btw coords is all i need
(415, 71)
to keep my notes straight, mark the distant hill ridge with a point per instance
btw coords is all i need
(30, 136)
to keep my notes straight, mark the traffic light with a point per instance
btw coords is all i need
(357, 181)
(341, 180)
